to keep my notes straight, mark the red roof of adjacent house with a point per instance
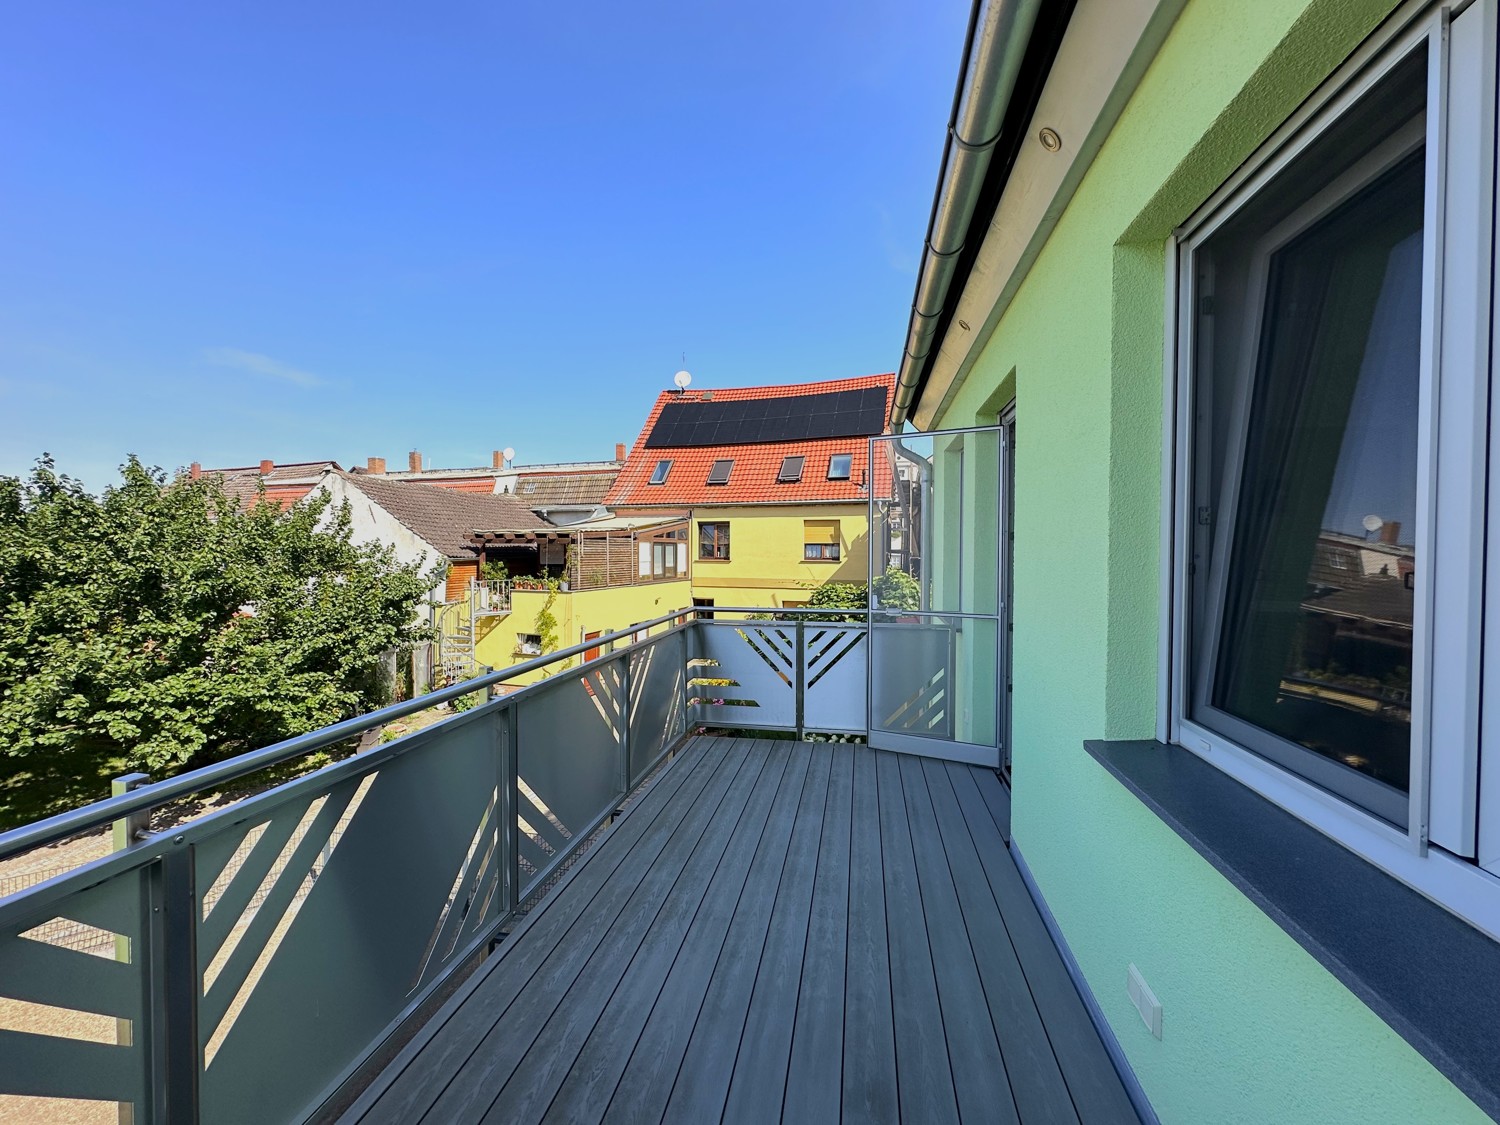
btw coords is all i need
(284, 484)
(753, 479)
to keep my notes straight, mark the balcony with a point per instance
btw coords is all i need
(594, 898)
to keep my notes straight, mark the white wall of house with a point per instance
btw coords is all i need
(372, 523)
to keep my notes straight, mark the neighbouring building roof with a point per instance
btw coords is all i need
(285, 484)
(554, 489)
(498, 477)
(445, 517)
(757, 428)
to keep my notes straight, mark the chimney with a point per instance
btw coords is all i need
(266, 467)
(619, 451)
(374, 464)
(195, 471)
(497, 459)
(414, 461)
(1390, 532)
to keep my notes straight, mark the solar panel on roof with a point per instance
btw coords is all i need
(831, 414)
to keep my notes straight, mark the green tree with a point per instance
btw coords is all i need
(895, 589)
(837, 595)
(164, 624)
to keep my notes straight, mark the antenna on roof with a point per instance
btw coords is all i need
(682, 378)
(509, 454)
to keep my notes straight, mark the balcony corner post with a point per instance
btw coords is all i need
(509, 827)
(623, 781)
(174, 929)
(801, 689)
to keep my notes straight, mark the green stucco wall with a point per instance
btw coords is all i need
(1254, 1029)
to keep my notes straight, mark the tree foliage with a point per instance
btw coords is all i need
(837, 595)
(895, 589)
(163, 622)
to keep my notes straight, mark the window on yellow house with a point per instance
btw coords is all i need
(820, 540)
(713, 540)
(664, 560)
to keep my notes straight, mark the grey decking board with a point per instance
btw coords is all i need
(610, 1001)
(979, 1073)
(550, 920)
(685, 1059)
(546, 971)
(564, 1001)
(869, 1070)
(923, 1075)
(814, 1082)
(759, 1079)
(1031, 1067)
(636, 1047)
(996, 797)
(791, 902)
(1095, 1087)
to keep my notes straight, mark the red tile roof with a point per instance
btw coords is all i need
(753, 479)
(285, 484)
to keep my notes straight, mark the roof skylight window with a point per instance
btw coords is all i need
(840, 465)
(791, 470)
(719, 474)
(659, 474)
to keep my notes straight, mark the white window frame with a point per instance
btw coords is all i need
(1447, 807)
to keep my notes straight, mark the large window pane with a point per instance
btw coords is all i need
(1306, 481)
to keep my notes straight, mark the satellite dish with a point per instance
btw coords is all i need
(682, 379)
(508, 453)
(1373, 524)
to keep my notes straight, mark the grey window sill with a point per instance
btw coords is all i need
(1432, 977)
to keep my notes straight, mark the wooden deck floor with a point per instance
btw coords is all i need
(776, 931)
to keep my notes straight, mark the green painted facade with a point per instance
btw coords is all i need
(1255, 1030)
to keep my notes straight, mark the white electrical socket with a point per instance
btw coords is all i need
(1144, 999)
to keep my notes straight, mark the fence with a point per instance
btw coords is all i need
(293, 932)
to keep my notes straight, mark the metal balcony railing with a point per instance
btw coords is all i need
(251, 960)
(490, 595)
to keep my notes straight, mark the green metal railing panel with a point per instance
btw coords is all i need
(77, 970)
(371, 894)
(571, 762)
(658, 698)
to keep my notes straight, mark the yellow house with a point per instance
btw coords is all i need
(589, 580)
(774, 482)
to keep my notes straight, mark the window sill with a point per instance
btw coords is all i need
(1432, 977)
(822, 560)
(713, 560)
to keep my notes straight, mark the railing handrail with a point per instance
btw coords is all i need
(99, 813)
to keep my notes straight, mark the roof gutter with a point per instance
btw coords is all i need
(999, 34)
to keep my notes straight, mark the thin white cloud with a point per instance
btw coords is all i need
(258, 364)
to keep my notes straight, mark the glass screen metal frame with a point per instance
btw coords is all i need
(986, 754)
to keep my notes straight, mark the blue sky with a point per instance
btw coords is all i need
(231, 231)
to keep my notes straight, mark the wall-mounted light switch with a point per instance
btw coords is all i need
(1145, 1000)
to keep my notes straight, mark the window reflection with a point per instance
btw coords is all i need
(1317, 639)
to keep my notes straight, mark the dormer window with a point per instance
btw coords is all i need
(791, 470)
(659, 474)
(719, 474)
(840, 465)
